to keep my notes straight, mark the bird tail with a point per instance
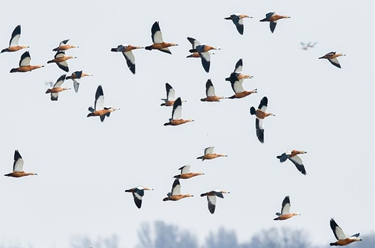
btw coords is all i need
(48, 91)
(148, 48)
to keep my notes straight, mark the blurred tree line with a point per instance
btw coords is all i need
(163, 235)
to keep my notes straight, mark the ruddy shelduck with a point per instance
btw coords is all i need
(272, 18)
(176, 114)
(211, 198)
(169, 101)
(175, 193)
(236, 75)
(57, 88)
(332, 57)
(60, 60)
(126, 50)
(186, 174)
(237, 19)
(296, 160)
(18, 167)
(210, 93)
(193, 44)
(203, 51)
(285, 210)
(236, 79)
(13, 43)
(342, 239)
(77, 75)
(63, 46)
(99, 109)
(209, 154)
(157, 39)
(24, 64)
(138, 193)
(260, 114)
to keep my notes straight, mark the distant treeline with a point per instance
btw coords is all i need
(163, 235)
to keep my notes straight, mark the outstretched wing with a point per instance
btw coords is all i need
(176, 188)
(238, 67)
(211, 199)
(263, 104)
(297, 161)
(210, 89)
(259, 129)
(156, 33)
(18, 161)
(177, 108)
(337, 231)
(99, 98)
(285, 206)
(130, 60)
(25, 59)
(59, 81)
(185, 169)
(16, 34)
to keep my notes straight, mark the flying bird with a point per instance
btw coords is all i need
(260, 114)
(57, 88)
(237, 19)
(186, 174)
(169, 101)
(176, 115)
(236, 75)
(175, 193)
(210, 93)
(293, 156)
(138, 193)
(99, 109)
(211, 198)
(63, 46)
(24, 64)
(203, 51)
(306, 46)
(60, 60)
(272, 18)
(18, 167)
(126, 50)
(342, 239)
(77, 75)
(332, 58)
(209, 154)
(157, 39)
(285, 210)
(13, 43)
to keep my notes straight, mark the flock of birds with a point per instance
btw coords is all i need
(198, 50)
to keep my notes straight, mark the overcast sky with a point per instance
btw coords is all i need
(84, 165)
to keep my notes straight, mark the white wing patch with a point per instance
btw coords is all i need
(209, 150)
(25, 61)
(176, 190)
(14, 40)
(186, 169)
(19, 165)
(296, 159)
(286, 209)
(171, 95)
(99, 103)
(211, 91)
(130, 56)
(206, 56)
(158, 38)
(237, 87)
(340, 233)
(176, 115)
(211, 199)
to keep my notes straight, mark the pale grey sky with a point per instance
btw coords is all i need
(84, 165)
